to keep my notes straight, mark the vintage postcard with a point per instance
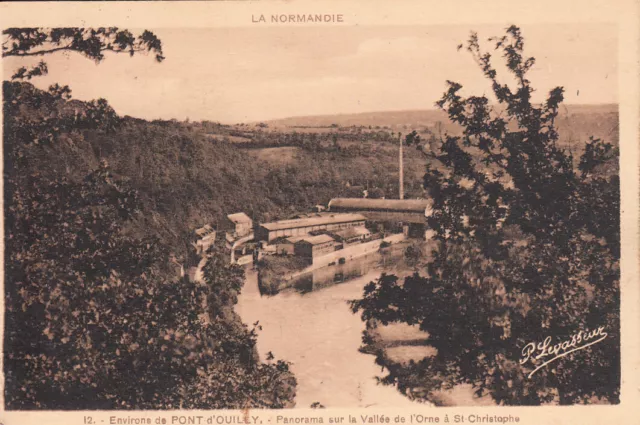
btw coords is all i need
(320, 213)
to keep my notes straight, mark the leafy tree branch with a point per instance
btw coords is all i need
(89, 42)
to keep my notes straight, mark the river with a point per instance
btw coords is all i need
(317, 332)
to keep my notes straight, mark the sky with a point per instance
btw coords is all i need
(249, 74)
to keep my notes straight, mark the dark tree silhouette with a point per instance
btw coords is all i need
(412, 138)
(95, 316)
(528, 247)
(89, 42)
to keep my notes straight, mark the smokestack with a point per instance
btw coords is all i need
(401, 183)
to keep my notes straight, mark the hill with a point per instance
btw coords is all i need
(190, 174)
(392, 119)
(575, 122)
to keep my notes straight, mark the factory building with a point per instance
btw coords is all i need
(352, 235)
(410, 213)
(314, 246)
(405, 210)
(205, 237)
(285, 246)
(238, 224)
(302, 226)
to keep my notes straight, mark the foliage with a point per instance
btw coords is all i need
(191, 180)
(385, 244)
(412, 254)
(273, 268)
(89, 42)
(412, 138)
(95, 322)
(95, 317)
(24, 73)
(529, 247)
(375, 193)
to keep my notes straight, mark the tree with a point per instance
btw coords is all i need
(95, 322)
(528, 247)
(412, 138)
(95, 317)
(376, 193)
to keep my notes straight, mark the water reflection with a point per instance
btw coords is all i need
(337, 273)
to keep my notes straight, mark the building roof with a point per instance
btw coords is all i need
(352, 232)
(204, 230)
(396, 205)
(285, 239)
(313, 221)
(294, 239)
(317, 240)
(239, 218)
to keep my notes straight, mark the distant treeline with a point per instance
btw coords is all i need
(310, 140)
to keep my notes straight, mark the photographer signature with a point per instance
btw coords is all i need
(577, 341)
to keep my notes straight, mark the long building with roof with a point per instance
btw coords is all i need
(302, 226)
(410, 214)
(413, 211)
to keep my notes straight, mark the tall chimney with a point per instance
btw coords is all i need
(401, 183)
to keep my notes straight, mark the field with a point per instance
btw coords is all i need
(276, 156)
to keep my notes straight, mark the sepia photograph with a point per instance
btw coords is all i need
(311, 216)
